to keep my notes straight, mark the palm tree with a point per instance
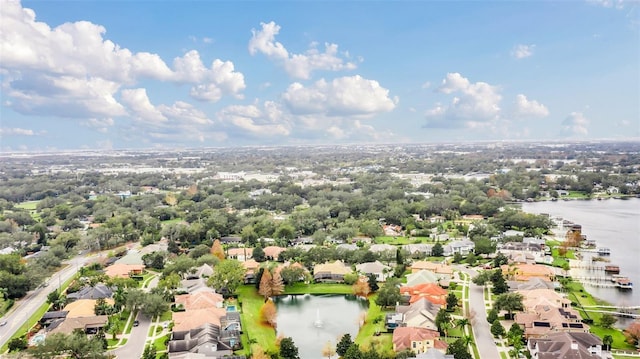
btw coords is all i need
(462, 323)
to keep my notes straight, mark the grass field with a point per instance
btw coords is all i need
(263, 335)
(29, 205)
(374, 323)
(318, 288)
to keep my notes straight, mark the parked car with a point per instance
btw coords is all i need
(136, 323)
(3, 323)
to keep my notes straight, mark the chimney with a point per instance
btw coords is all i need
(574, 345)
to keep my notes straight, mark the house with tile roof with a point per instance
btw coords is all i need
(119, 270)
(240, 254)
(545, 319)
(83, 307)
(537, 297)
(524, 272)
(98, 291)
(430, 291)
(200, 300)
(443, 271)
(190, 319)
(420, 314)
(251, 267)
(418, 340)
(567, 346)
(89, 324)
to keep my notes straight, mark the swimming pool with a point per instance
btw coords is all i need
(231, 308)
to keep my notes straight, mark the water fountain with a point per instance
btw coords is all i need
(318, 322)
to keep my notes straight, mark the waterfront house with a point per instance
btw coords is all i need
(566, 346)
(544, 319)
(420, 314)
(524, 272)
(330, 272)
(379, 270)
(417, 340)
(205, 341)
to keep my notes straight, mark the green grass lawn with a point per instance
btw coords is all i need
(166, 316)
(263, 335)
(172, 221)
(29, 205)
(159, 343)
(318, 288)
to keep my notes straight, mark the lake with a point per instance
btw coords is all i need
(612, 223)
(313, 320)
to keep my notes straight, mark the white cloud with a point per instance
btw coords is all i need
(15, 131)
(529, 108)
(474, 103)
(344, 96)
(72, 71)
(575, 125)
(297, 65)
(522, 51)
(184, 113)
(140, 106)
(267, 120)
(426, 85)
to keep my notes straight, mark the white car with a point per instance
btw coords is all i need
(3, 323)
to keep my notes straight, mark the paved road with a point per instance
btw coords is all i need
(136, 342)
(25, 307)
(481, 329)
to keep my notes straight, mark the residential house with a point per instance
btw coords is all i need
(346, 247)
(240, 254)
(199, 300)
(51, 320)
(300, 241)
(523, 252)
(420, 314)
(194, 318)
(418, 250)
(361, 239)
(543, 297)
(272, 253)
(83, 308)
(132, 257)
(251, 267)
(204, 271)
(193, 285)
(567, 346)
(464, 247)
(123, 270)
(330, 272)
(430, 291)
(380, 248)
(89, 325)
(421, 277)
(392, 230)
(98, 291)
(533, 283)
(208, 340)
(379, 270)
(545, 319)
(437, 219)
(524, 272)
(443, 271)
(418, 340)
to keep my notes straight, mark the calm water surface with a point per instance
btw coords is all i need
(613, 223)
(337, 314)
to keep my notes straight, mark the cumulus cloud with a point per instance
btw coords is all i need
(522, 51)
(297, 65)
(268, 120)
(184, 113)
(473, 105)
(529, 108)
(16, 131)
(344, 96)
(72, 71)
(575, 125)
(140, 106)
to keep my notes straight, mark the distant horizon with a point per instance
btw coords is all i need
(315, 145)
(213, 74)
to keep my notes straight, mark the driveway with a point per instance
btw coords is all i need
(481, 328)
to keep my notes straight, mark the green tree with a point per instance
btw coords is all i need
(149, 352)
(492, 316)
(373, 282)
(459, 350)
(437, 250)
(497, 329)
(389, 293)
(509, 302)
(607, 340)
(500, 285)
(353, 352)
(153, 305)
(443, 321)
(472, 259)
(288, 349)
(228, 274)
(344, 344)
(17, 344)
(135, 299)
(452, 301)
(607, 320)
(258, 254)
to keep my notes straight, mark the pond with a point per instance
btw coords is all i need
(313, 320)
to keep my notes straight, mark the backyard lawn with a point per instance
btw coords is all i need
(374, 323)
(251, 302)
(318, 288)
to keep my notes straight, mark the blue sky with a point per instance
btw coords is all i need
(185, 74)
